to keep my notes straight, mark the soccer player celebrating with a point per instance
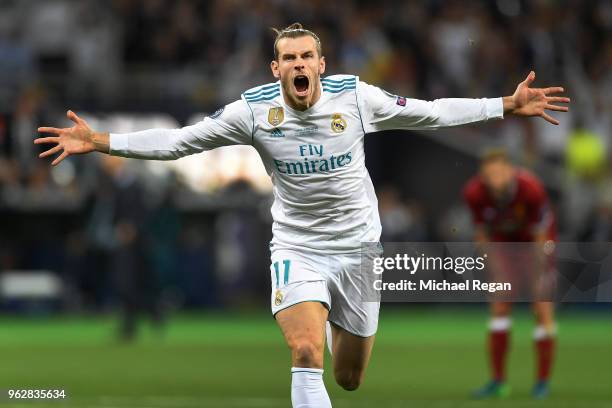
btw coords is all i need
(509, 204)
(309, 132)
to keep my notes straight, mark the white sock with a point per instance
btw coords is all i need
(500, 324)
(308, 389)
(328, 337)
(542, 332)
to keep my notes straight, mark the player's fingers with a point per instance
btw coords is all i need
(553, 89)
(72, 116)
(559, 99)
(550, 118)
(60, 158)
(51, 151)
(49, 130)
(44, 140)
(557, 108)
(530, 78)
(75, 118)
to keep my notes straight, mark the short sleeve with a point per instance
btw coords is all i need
(539, 214)
(471, 196)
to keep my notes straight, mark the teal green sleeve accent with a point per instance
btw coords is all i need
(287, 264)
(276, 272)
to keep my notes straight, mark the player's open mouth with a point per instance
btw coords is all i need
(301, 83)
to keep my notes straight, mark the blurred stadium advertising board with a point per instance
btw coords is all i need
(30, 285)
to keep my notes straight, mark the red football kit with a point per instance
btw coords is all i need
(519, 216)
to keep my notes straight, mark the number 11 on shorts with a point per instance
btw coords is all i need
(287, 265)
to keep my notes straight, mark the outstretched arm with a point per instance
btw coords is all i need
(79, 139)
(384, 111)
(232, 125)
(528, 101)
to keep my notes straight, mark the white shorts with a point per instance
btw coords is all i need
(333, 280)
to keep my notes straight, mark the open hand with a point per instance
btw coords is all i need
(528, 101)
(78, 139)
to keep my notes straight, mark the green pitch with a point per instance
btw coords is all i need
(421, 359)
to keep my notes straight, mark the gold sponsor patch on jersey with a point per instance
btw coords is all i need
(338, 124)
(278, 297)
(276, 116)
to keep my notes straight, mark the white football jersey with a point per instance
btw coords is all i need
(324, 200)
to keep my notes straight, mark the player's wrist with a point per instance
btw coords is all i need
(101, 141)
(509, 104)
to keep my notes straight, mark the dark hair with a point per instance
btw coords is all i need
(295, 30)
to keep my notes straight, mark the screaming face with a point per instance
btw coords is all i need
(299, 68)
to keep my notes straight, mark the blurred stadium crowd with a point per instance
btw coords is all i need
(111, 227)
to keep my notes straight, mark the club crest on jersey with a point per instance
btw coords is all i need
(276, 116)
(278, 297)
(338, 124)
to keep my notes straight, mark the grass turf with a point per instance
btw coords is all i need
(421, 358)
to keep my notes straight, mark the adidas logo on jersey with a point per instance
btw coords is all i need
(276, 132)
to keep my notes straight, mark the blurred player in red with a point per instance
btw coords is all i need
(509, 204)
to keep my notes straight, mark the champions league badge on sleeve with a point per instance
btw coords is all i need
(401, 101)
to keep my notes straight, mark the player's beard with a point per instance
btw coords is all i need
(290, 90)
(310, 94)
(313, 83)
